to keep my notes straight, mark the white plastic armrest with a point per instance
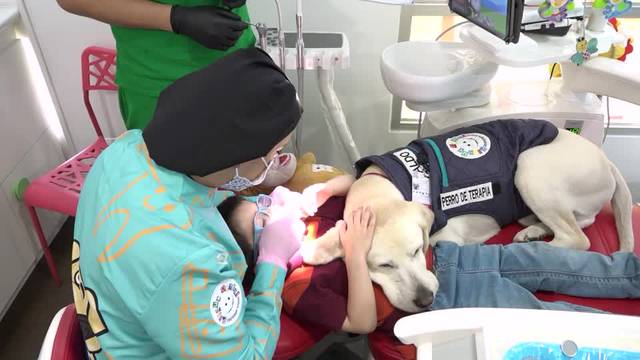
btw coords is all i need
(436, 327)
(604, 76)
(497, 330)
(47, 345)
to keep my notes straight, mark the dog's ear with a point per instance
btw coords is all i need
(424, 218)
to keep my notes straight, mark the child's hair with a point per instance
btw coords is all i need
(227, 209)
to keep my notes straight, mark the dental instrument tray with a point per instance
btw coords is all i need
(321, 49)
(501, 18)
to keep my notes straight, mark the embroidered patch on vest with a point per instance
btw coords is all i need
(468, 195)
(420, 183)
(469, 146)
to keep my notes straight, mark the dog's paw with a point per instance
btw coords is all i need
(313, 254)
(532, 233)
(528, 220)
(575, 243)
(627, 246)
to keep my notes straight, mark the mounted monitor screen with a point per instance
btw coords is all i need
(502, 18)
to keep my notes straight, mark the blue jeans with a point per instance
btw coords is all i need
(506, 276)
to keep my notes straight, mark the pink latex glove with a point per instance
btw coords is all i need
(280, 240)
(286, 202)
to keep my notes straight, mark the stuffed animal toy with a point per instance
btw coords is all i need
(305, 172)
(620, 51)
(308, 173)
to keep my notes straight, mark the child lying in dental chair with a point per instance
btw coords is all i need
(356, 313)
(318, 294)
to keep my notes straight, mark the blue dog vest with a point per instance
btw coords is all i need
(466, 171)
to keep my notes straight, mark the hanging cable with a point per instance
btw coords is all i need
(281, 44)
(420, 117)
(300, 69)
(426, 115)
(450, 28)
(606, 129)
(419, 134)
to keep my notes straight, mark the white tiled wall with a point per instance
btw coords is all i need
(28, 148)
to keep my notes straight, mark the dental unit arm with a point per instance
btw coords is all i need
(604, 76)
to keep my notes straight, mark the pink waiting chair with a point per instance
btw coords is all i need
(59, 189)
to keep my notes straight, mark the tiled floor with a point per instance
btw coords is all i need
(24, 326)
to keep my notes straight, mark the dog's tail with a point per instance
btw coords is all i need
(622, 207)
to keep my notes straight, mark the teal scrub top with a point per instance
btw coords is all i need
(156, 272)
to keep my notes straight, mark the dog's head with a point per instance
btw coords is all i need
(397, 257)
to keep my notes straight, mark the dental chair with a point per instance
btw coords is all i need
(63, 340)
(604, 239)
(59, 189)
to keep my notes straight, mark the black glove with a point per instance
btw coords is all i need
(211, 26)
(234, 3)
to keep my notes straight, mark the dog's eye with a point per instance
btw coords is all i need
(417, 252)
(388, 266)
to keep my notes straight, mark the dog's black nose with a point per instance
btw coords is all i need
(424, 297)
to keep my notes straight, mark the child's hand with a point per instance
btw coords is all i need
(315, 196)
(356, 232)
(288, 203)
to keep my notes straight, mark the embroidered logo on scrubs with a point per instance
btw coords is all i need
(469, 146)
(226, 303)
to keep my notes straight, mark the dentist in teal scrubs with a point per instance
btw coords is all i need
(156, 272)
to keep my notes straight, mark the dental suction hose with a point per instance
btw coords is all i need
(300, 52)
(300, 68)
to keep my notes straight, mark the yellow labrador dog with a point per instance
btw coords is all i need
(565, 183)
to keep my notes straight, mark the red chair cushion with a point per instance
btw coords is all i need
(295, 338)
(68, 343)
(604, 239)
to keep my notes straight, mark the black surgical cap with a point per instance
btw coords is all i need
(235, 110)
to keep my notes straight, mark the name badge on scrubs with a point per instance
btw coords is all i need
(420, 183)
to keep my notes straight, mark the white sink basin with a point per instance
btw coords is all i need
(422, 72)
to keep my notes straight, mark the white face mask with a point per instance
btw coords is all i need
(239, 183)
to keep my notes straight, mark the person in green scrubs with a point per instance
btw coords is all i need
(160, 41)
(156, 272)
